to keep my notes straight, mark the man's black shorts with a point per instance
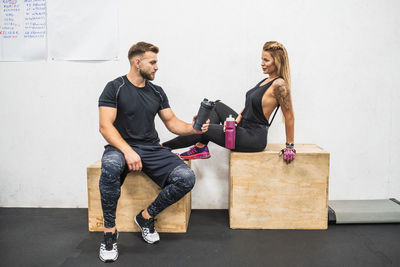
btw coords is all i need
(158, 162)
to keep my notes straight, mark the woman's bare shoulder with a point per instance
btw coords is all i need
(280, 82)
(280, 87)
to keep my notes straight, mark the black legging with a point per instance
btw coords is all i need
(250, 137)
(113, 172)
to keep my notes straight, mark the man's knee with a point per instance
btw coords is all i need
(190, 179)
(112, 164)
(184, 177)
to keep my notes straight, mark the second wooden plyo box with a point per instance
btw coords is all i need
(266, 193)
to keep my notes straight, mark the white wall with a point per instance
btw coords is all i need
(344, 58)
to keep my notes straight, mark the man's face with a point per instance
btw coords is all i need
(148, 65)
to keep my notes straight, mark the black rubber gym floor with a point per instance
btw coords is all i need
(59, 237)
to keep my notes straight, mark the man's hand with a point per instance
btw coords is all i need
(204, 128)
(133, 160)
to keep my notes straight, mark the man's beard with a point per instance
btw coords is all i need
(146, 75)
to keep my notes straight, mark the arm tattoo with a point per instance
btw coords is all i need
(282, 94)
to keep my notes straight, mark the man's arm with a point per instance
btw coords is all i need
(177, 126)
(107, 117)
(283, 96)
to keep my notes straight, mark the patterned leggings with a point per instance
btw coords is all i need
(113, 172)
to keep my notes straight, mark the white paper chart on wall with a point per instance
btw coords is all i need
(23, 30)
(58, 30)
(82, 30)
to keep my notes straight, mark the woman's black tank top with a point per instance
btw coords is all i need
(253, 111)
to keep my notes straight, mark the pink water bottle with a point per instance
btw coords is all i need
(230, 131)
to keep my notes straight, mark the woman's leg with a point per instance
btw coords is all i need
(217, 116)
(221, 112)
(250, 139)
(247, 140)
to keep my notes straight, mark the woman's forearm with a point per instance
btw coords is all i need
(239, 117)
(289, 127)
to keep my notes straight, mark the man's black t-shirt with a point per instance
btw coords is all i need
(136, 109)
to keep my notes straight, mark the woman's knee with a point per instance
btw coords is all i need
(219, 104)
(220, 107)
(217, 109)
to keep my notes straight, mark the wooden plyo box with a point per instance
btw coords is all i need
(137, 192)
(266, 193)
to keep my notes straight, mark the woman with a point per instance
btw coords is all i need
(253, 122)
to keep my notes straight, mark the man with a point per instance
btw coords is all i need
(127, 108)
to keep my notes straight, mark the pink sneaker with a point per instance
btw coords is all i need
(196, 152)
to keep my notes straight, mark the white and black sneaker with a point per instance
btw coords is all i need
(108, 247)
(149, 233)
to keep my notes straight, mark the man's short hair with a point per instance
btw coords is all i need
(141, 48)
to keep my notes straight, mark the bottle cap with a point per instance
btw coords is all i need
(207, 104)
(230, 118)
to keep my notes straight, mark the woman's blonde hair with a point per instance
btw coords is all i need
(280, 56)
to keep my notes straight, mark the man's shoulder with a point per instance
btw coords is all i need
(109, 96)
(160, 93)
(154, 86)
(116, 83)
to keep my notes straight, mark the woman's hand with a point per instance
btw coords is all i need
(289, 154)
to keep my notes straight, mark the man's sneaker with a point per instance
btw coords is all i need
(108, 247)
(196, 153)
(149, 233)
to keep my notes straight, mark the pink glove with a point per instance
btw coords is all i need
(289, 154)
